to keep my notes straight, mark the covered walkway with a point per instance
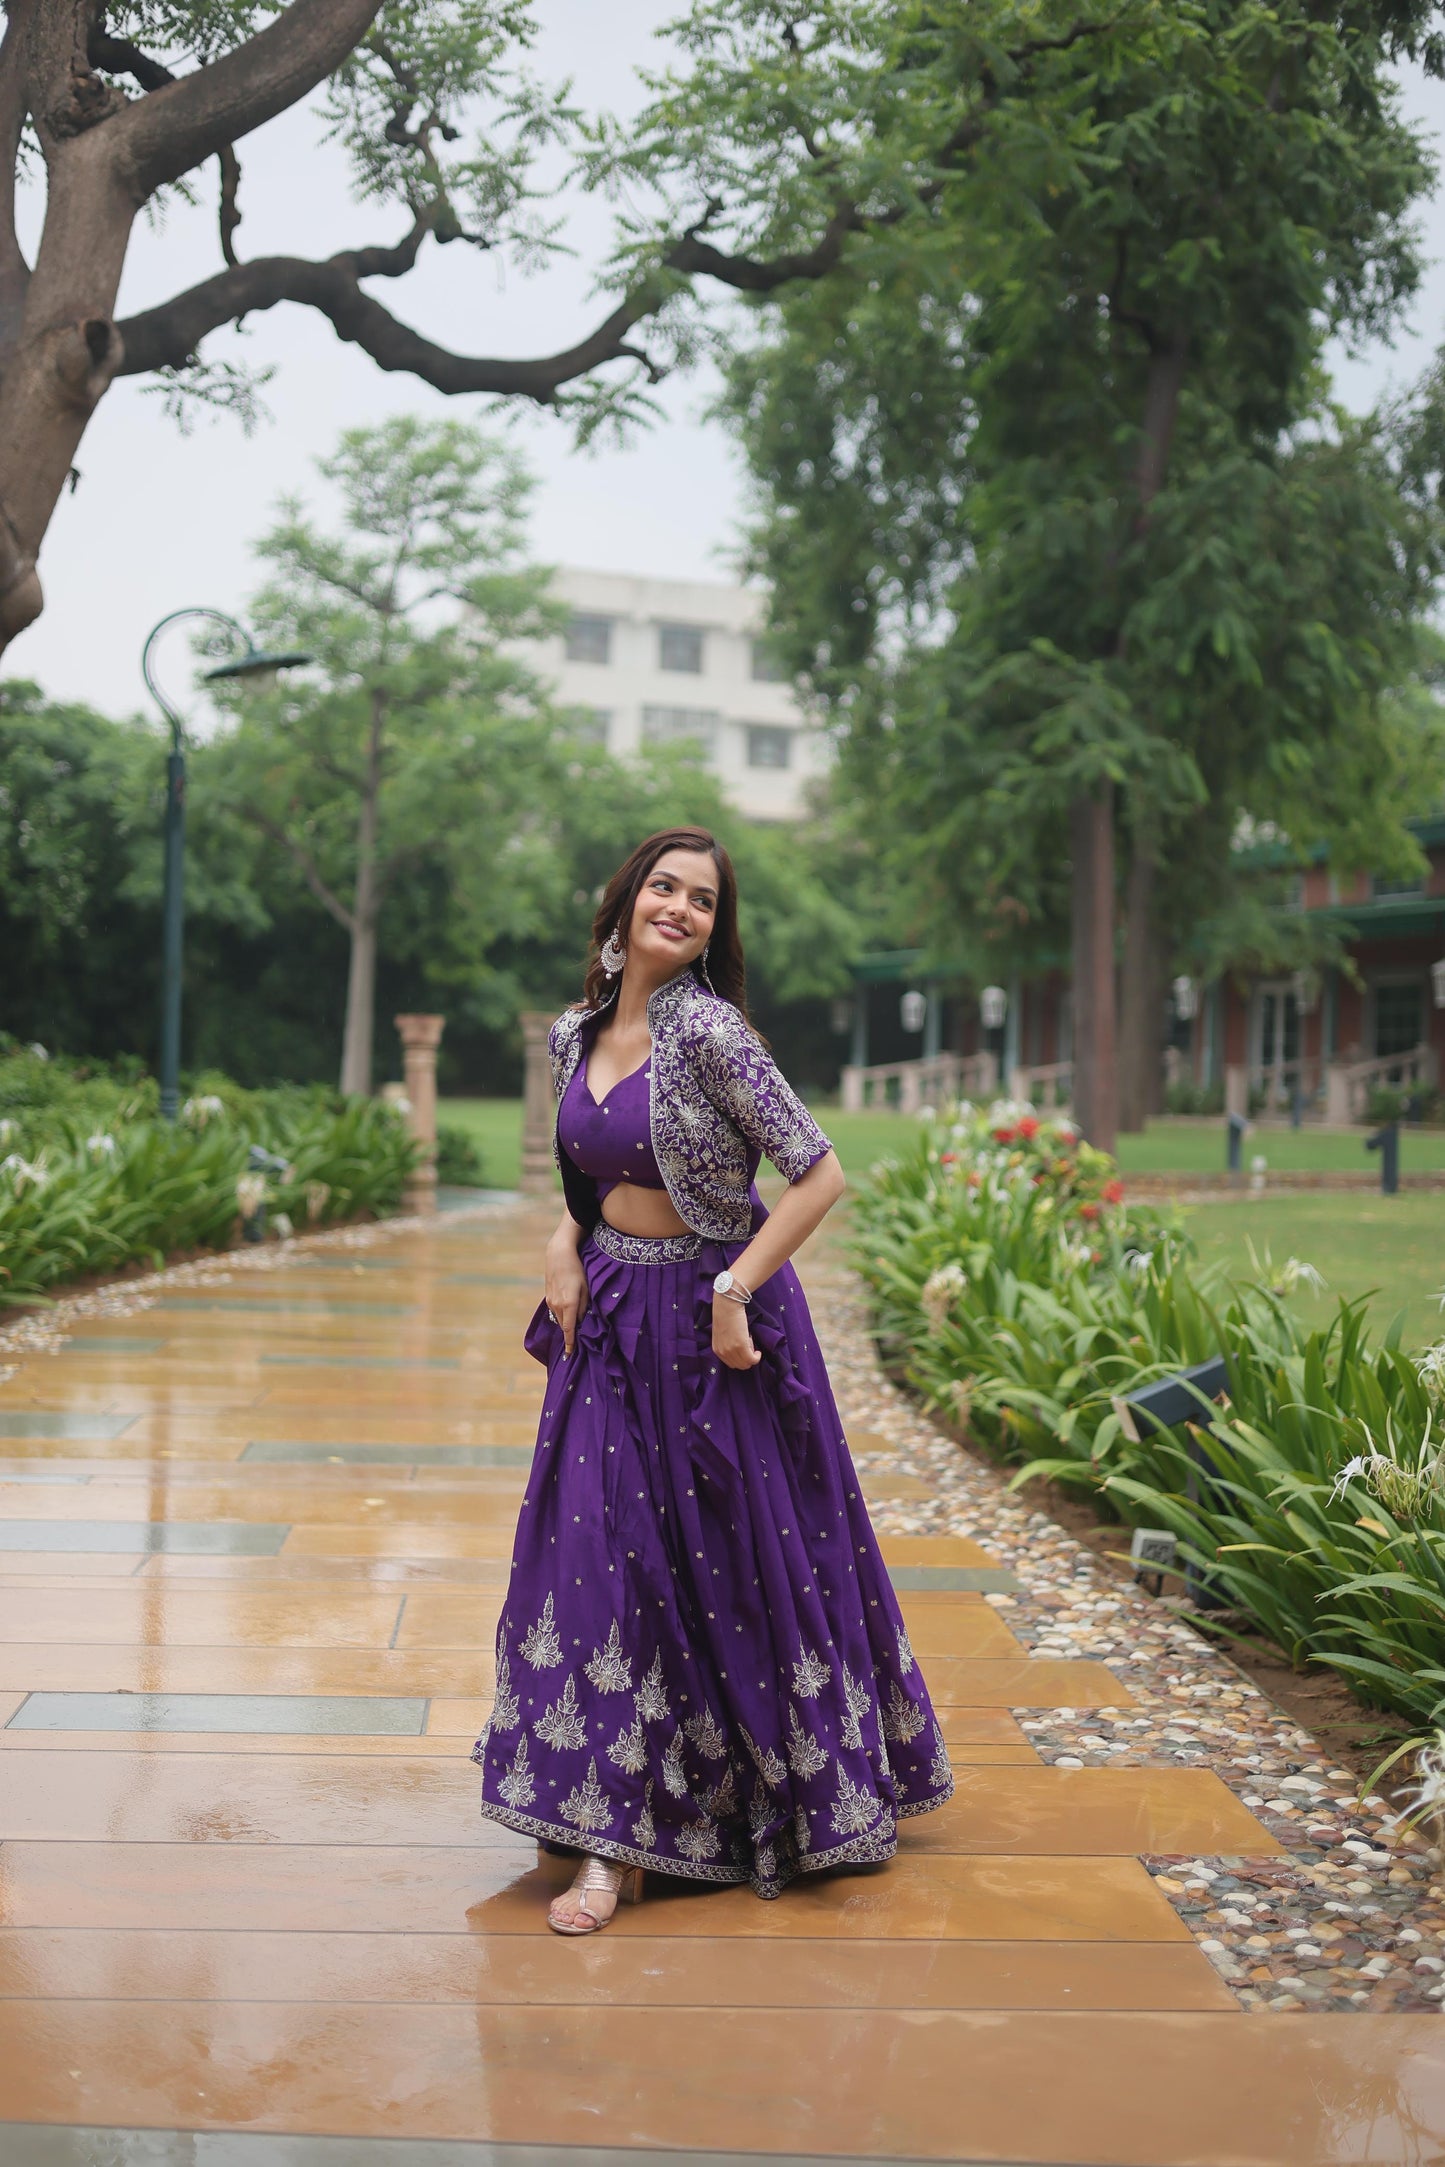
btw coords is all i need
(255, 1529)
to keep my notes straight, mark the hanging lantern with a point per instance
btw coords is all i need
(1186, 999)
(913, 1009)
(1437, 982)
(993, 1007)
(1305, 987)
(840, 1016)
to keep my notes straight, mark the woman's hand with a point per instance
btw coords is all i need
(566, 1283)
(731, 1340)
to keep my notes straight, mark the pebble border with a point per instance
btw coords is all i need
(1353, 1917)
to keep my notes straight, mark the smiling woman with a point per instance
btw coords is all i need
(701, 1665)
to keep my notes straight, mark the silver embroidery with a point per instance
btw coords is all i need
(801, 1830)
(810, 1673)
(854, 1809)
(585, 1807)
(628, 1749)
(706, 1736)
(650, 1699)
(644, 1831)
(857, 1699)
(699, 1840)
(902, 1718)
(722, 1799)
(905, 1653)
(673, 1777)
(805, 1755)
(609, 1669)
(646, 1248)
(769, 1766)
(562, 1725)
(760, 1809)
(540, 1644)
(941, 1772)
(517, 1787)
(506, 1707)
(765, 1862)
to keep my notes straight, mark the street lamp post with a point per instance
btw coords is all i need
(251, 662)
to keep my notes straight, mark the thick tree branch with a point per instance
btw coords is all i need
(178, 126)
(14, 271)
(305, 863)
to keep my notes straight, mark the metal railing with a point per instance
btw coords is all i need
(905, 1086)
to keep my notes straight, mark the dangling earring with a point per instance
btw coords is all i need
(702, 968)
(613, 955)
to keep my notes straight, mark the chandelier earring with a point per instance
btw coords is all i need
(702, 968)
(613, 955)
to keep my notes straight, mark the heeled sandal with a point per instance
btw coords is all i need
(603, 1878)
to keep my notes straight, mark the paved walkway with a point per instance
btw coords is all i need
(255, 1524)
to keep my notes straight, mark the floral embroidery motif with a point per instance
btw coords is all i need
(517, 1787)
(760, 1809)
(650, 1699)
(609, 1670)
(765, 1862)
(905, 1653)
(805, 1755)
(644, 1831)
(646, 1248)
(674, 1778)
(706, 1736)
(902, 1719)
(854, 1809)
(722, 1799)
(810, 1673)
(940, 1775)
(699, 1840)
(506, 1707)
(857, 1700)
(628, 1749)
(715, 1097)
(540, 1644)
(803, 1835)
(585, 1807)
(769, 1766)
(562, 1725)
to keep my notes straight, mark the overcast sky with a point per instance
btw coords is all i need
(160, 520)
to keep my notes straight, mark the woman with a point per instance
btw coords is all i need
(701, 1666)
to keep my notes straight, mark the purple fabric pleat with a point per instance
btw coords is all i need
(701, 1664)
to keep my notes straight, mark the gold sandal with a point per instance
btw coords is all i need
(603, 1878)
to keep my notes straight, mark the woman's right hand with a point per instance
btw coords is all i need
(566, 1283)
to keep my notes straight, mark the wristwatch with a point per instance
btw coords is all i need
(729, 1285)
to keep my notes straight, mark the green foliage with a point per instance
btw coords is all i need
(459, 1163)
(78, 1203)
(1320, 1514)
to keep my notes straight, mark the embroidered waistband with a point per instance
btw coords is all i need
(646, 1248)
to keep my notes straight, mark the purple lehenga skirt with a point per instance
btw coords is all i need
(701, 1664)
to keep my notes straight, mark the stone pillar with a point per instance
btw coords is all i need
(539, 1105)
(852, 1089)
(1236, 1090)
(420, 1038)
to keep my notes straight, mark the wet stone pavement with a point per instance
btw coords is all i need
(255, 1516)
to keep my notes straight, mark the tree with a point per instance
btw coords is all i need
(424, 738)
(1060, 409)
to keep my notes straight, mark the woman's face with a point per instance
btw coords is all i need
(675, 911)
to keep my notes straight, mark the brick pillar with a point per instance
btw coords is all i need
(539, 1104)
(420, 1038)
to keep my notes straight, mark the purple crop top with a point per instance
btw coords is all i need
(611, 1143)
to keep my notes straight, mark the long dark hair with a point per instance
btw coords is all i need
(724, 970)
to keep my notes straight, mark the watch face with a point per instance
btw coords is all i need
(722, 1282)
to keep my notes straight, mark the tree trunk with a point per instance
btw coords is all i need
(356, 1045)
(1141, 995)
(1091, 847)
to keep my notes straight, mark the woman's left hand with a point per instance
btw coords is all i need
(731, 1339)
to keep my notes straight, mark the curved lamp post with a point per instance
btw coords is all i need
(250, 662)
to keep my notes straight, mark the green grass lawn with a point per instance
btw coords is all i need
(1391, 1245)
(495, 1127)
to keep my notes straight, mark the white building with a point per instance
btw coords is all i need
(654, 661)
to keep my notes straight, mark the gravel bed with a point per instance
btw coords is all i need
(1353, 1916)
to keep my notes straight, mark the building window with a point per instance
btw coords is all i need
(679, 647)
(1399, 1016)
(679, 725)
(590, 725)
(589, 639)
(1385, 885)
(769, 745)
(767, 670)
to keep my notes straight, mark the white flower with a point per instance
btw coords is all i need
(23, 1172)
(318, 1195)
(250, 1193)
(928, 1113)
(38, 1050)
(281, 1227)
(940, 1290)
(100, 1146)
(1427, 1801)
(1406, 1488)
(1138, 1261)
(197, 1112)
(9, 1130)
(1295, 1273)
(1431, 1366)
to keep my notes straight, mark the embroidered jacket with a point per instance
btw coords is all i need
(717, 1103)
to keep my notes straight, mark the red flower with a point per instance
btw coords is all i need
(1113, 1192)
(948, 1158)
(1027, 1128)
(1003, 1136)
(1088, 1211)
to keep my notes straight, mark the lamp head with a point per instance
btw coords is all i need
(257, 664)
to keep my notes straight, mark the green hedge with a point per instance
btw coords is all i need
(1016, 1305)
(92, 1180)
